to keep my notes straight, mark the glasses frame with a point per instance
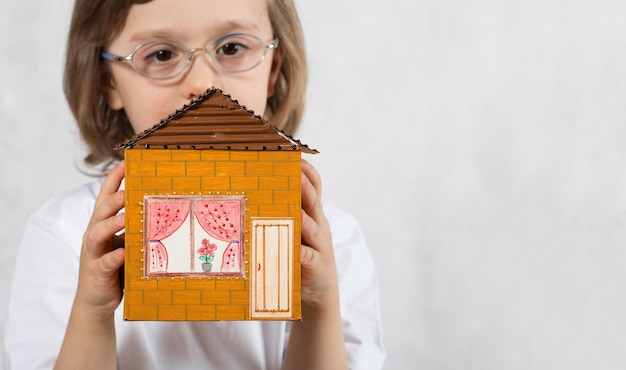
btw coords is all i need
(208, 51)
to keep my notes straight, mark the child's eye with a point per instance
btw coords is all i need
(161, 53)
(237, 52)
(160, 59)
(231, 49)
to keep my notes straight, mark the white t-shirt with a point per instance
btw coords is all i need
(45, 282)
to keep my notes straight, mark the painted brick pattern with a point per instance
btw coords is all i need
(270, 182)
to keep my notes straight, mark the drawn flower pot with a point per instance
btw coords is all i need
(206, 266)
(207, 253)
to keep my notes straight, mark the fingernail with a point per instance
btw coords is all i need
(119, 219)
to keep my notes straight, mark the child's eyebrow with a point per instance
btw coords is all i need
(215, 30)
(152, 34)
(238, 25)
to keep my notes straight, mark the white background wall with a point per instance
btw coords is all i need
(482, 145)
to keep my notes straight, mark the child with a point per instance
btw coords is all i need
(70, 249)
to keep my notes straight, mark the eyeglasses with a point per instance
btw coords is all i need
(162, 60)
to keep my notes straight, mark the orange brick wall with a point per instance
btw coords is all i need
(270, 182)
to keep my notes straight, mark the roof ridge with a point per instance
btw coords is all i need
(194, 103)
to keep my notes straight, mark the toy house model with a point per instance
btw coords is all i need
(212, 217)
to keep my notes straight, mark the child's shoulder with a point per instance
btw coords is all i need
(346, 231)
(70, 208)
(339, 217)
(61, 220)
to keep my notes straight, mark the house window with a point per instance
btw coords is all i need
(194, 235)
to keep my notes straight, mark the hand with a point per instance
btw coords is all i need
(316, 342)
(319, 274)
(99, 286)
(89, 341)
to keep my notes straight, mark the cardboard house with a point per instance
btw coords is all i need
(212, 216)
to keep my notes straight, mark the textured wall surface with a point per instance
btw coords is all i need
(268, 185)
(481, 145)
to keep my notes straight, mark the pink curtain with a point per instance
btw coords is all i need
(231, 259)
(165, 219)
(222, 220)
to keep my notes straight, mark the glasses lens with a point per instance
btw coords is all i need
(238, 52)
(160, 60)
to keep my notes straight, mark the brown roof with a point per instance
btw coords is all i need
(215, 121)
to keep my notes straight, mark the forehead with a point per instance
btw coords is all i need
(195, 20)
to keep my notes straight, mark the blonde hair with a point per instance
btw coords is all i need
(95, 23)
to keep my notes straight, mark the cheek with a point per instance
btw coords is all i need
(252, 94)
(146, 105)
(251, 98)
(146, 112)
(256, 103)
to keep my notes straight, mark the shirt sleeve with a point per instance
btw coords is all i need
(359, 292)
(44, 284)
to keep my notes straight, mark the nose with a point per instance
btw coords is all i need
(200, 76)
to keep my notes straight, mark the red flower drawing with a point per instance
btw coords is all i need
(207, 251)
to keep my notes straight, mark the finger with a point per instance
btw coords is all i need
(310, 230)
(313, 176)
(308, 256)
(311, 214)
(110, 186)
(311, 192)
(113, 180)
(111, 262)
(110, 200)
(97, 238)
(117, 242)
(109, 206)
(316, 232)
